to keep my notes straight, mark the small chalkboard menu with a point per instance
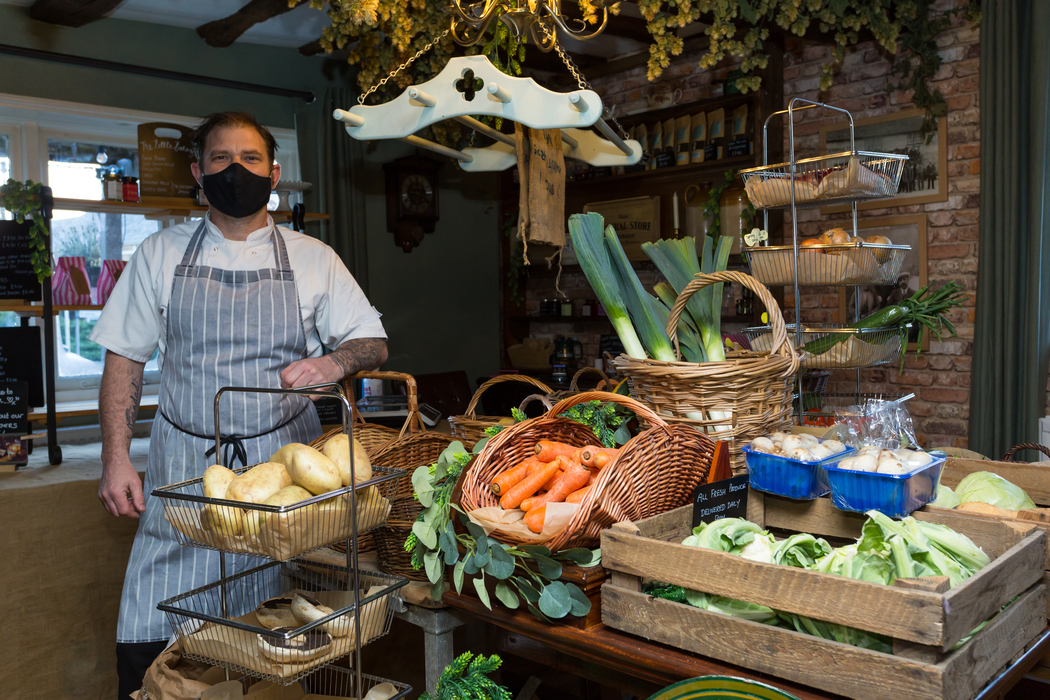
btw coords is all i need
(329, 410)
(14, 408)
(165, 155)
(20, 360)
(720, 499)
(17, 279)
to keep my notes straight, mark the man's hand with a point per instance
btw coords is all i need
(350, 357)
(121, 489)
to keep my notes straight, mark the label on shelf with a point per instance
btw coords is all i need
(722, 499)
(739, 147)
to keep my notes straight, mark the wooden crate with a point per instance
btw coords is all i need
(923, 618)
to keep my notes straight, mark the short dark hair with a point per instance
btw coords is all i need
(222, 120)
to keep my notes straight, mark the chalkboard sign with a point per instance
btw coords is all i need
(722, 499)
(165, 155)
(17, 279)
(20, 360)
(739, 147)
(14, 408)
(330, 411)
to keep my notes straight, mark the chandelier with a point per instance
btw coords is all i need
(539, 20)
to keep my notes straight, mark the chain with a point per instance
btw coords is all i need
(406, 64)
(582, 82)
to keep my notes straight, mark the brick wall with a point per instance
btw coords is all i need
(941, 377)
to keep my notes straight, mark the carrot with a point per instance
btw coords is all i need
(548, 450)
(598, 457)
(550, 482)
(574, 479)
(505, 480)
(527, 486)
(577, 496)
(592, 478)
(534, 519)
(535, 502)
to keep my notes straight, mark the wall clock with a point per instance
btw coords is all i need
(411, 199)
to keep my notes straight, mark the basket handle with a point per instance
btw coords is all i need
(639, 408)
(781, 342)
(498, 379)
(582, 371)
(542, 398)
(414, 421)
(1008, 457)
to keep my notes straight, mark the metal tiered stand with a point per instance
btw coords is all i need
(216, 624)
(841, 178)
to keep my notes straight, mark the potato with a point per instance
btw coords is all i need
(289, 495)
(217, 480)
(337, 449)
(284, 455)
(313, 471)
(259, 483)
(222, 519)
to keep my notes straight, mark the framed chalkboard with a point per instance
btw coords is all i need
(14, 408)
(17, 279)
(165, 155)
(20, 360)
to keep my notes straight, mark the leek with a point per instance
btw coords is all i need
(688, 340)
(589, 244)
(654, 336)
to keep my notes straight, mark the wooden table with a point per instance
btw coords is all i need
(610, 657)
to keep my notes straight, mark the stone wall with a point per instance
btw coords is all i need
(940, 378)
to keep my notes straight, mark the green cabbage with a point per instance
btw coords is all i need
(946, 498)
(735, 536)
(986, 487)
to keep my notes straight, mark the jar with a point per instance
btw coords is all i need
(588, 307)
(566, 307)
(130, 189)
(731, 205)
(696, 224)
(112, 187)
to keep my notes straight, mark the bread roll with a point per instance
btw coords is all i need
(337, 449)
(284, 455)
(217, 480)
(313, 471)
(259, 483)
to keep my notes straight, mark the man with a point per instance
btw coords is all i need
(229, 301)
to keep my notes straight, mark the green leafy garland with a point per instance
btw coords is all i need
(608, 421)
(464, 679)
(23, 200)
(526, 573)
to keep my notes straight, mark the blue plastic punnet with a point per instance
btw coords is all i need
(792, 478)
(895, 495)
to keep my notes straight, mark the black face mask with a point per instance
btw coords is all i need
(236, 191)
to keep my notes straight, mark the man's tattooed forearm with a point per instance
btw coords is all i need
(132, 413)
(361, 353)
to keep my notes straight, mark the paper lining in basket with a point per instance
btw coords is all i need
(512, 522)
(852, 352)
(241, 647)
(282, 536)
(837, 266)
(851, 180)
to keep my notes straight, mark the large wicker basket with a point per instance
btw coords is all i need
(412, 447)
(753, 389)
(471, 426)
(655, 471)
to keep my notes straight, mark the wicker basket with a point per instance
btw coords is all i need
(412, 447)
(754, 388)
(471, 426)
(655, 471)
(371, 435)
(1009, 456)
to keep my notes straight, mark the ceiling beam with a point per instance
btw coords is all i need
(71, 13)
(633, 28)
(223, 32)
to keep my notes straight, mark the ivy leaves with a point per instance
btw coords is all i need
(23, 200)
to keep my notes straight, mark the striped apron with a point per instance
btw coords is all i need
(224, 328)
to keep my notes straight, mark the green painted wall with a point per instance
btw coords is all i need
(156, 46)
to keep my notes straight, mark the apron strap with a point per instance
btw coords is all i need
(231, 443)
(194, 248)
(280, 251)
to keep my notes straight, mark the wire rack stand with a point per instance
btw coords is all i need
(216, 623)
(840, 178)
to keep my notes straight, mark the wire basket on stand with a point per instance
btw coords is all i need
(656, 470)
(746, 396)
(851, 176)
(471, 426)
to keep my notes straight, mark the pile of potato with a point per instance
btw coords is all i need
(293, 474)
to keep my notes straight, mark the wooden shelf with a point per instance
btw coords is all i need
(153, 210)
(28, 310)
(694, 171)
(560, 319)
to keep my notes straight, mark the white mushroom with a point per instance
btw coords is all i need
(860, 463)
(791, 442)
(808, 440)
(801, 454)
(892, 465)
(919, 459)
(778, 436)
(820, 452)
(870, 450)
(834, 445)
(761, 444)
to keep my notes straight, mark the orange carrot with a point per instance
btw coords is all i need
(574, 479)
(534, 519)
(527, 486)
(504, 481)
(577, 496)
(548, 450)
(591, 480)
(598, 457)
(527, 504)
(550, 482)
